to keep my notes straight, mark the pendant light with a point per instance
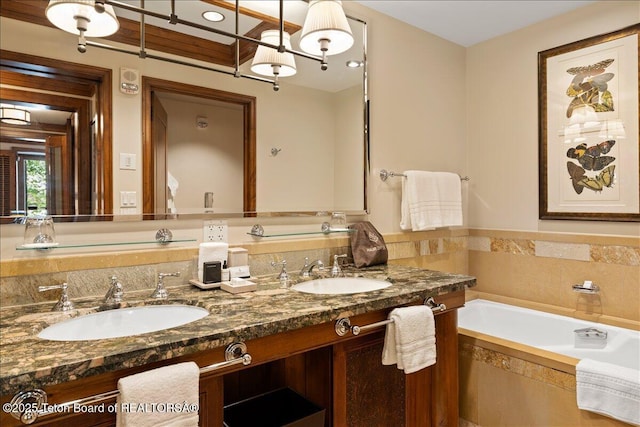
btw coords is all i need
(13, 115)
(81, 17)
(269, 62)
(326, 30)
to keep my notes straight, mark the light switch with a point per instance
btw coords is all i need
(127, 161)
(127, 199)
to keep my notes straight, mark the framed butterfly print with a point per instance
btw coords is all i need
(589, 151)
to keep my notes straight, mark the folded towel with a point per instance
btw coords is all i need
(211, 251)
(151, 398)
(430, 200)
(609, 390)
(410, 340)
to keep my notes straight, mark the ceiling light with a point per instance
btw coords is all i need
(81, 17)
(326, 30)
(353, 63)
(269, 62)
(12, 115)
(213, 16)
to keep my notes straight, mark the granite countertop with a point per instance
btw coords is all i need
(27, 361)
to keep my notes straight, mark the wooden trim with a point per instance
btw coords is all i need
(160, 39)
(248, 103)
(32, 71)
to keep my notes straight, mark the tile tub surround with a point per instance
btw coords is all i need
(540, 268)
(27, 361)
(507, 384)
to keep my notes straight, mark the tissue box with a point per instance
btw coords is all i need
(236, 286)
(237, 257)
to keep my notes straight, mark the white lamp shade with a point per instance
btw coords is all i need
(266, 57)
(612, 129)
(585, 115)
(14, 115)
(64, 14)
(326, 21)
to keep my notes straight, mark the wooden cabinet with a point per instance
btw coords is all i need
(342, 374)
(369, 394)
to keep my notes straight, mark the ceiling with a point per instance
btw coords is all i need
(469, 22)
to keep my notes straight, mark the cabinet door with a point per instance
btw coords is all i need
(369, 394)
(366, 392)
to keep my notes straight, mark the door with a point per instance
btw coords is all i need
(159, 141)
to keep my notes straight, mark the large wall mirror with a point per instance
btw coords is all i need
(229, 146)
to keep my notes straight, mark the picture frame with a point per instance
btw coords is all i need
(589, 150)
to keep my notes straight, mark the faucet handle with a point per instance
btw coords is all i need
(336, 271)
(283, 276)
(161, 292)
(115, 292)
(64, 304)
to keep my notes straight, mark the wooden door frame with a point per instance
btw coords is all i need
(248, 104)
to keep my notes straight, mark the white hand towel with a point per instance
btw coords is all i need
(609, 390)
(151, 398)
(211, 251)
(430, 200)
(410, 340)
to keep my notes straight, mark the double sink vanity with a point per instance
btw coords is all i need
(248, 344)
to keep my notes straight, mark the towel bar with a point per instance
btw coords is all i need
(27, 406)
(343, 325)
(384, 174)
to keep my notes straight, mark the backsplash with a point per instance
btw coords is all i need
(89, 275)
(534, 267)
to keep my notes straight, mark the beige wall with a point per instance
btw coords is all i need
(434, 105)
(502, 133)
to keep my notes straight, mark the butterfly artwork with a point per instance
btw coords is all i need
(589, 87)
(591, 158)
(580, 180)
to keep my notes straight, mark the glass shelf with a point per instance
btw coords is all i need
(302, 233)
(42, 247)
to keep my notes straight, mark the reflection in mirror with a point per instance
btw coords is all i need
(316, 125)
(199, 149)
(59, 160)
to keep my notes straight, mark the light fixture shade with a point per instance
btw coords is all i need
(584, 115)
(68, 14)
(14, 115)
(612, 129)
(266, 58)
(326, 21)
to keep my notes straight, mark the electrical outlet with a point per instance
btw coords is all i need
(215, 231)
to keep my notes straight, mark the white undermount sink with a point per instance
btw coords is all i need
(123, 322)
(340, 285)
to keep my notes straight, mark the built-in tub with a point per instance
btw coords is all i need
(518, 365)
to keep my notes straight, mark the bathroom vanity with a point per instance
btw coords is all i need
(291, 338)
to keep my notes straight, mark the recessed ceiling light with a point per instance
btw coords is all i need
(213, 16)
(352, 63)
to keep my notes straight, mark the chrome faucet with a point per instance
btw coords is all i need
(308, 268)
(283, 276)
(161, 292)
(64, 304)
(336, 271)
(114, 294)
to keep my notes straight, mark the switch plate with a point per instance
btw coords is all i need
(127, 161)
(128, 199)
(215, 231)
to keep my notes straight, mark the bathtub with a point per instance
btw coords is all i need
(517, 366)
(549, 332)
